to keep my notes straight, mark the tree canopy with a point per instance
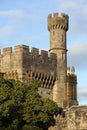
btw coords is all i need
(22, 108)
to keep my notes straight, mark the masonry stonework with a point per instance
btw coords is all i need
(20, 63)
(75, 119)
(64, 90)
(58, 81)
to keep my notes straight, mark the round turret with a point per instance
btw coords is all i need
(58, 22)
(58, 26)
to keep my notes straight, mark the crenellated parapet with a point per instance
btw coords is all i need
(23, 59)
(22, 48)
(35, 51)
(25, 49)
(50, 67)
(7, 50)
(58, 22)
(18, 48)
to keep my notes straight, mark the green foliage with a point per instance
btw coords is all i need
(22, 108)
(29, 127)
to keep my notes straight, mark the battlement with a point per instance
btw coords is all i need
(35, 51)
(21, 48)
(58, 22)
(25, 49)
(7, 50)
(56, 15)
(22, 59)
(49, 67)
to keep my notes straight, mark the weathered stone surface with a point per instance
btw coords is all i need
(58, 82)
(75, 119)
(65, 87)
(23, 64)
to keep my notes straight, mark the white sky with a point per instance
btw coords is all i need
(25, 22)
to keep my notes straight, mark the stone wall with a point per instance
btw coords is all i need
(75, 119)
(23, 63)
(20, 62)
(16, 63)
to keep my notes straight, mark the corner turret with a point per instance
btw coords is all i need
(71, 88)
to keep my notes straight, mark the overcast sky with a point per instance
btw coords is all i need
(25, 22)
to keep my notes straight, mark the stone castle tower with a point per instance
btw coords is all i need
(57, 82)
(58, 27)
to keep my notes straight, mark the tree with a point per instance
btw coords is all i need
(29, 127)
(21, 106)
(9, 110)
(37, 111)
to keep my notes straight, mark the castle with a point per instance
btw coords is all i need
(57, 82)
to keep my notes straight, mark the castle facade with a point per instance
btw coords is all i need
(58, 82)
